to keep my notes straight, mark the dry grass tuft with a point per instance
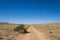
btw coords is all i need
(52, 30)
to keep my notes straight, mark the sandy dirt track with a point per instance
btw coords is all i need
(33, 35)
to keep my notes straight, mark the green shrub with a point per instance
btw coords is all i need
(20, 27)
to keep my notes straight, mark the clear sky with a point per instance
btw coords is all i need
(29, 11)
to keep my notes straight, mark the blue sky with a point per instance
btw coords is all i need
(29, 11)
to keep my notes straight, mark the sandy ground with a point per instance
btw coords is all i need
(32, 35)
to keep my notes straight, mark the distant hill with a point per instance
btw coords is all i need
(4, 23)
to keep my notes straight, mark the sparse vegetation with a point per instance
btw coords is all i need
(21, 28)
(51, 30)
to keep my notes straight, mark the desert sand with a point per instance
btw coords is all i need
(32, 35)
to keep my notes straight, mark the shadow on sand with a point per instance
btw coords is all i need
(24, 32)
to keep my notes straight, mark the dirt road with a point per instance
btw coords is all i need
(33, 35)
